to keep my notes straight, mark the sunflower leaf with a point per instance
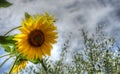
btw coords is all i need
(8, 40)
(27, 15)
(4, 3)
(35, 61)
(7, 43)
(7, 48)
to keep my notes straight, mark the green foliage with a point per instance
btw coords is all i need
(35, 61)
(7, 48)
(27, 15)
(7, 40)
(4, 3)
(96, 57)
(7, 43)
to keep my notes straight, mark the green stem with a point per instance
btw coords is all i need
(13, 65)
(4, 61)
(44, 67)
(4, 55)
(11, 30)
(44, 64)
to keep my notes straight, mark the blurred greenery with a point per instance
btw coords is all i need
(98, 56)
(4, 3)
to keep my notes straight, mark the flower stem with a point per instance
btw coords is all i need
(4, 55)
(44, 67)
(4, 61)
(11, 30)
(13, 65)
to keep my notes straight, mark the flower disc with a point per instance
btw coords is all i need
(38, 35)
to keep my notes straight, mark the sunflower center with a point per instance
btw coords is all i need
(36, 38)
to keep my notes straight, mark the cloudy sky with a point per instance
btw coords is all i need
(72, 15)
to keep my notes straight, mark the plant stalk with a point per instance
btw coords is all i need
(11, 30)
(4, 55)
(4, 61)
(10, 72)
(44, 67)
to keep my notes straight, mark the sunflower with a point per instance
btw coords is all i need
(19, 66)
(38, 33)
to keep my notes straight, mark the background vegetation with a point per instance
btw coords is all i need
(99, 55)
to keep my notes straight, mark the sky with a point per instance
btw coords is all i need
(72, 15)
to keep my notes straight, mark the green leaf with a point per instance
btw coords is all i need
(7, 48)
(7, 43)
(8, 40)
(27, 15)
(35, 61)
(4, 3)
